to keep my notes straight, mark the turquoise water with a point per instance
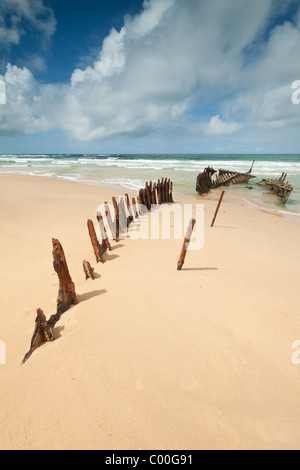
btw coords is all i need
(132, 171)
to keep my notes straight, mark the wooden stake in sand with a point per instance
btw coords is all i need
(167, 189)
(117, 218)
(130, 217)
(134, 208)
(95, 242)
(112, 227)
(105, 242)
(66, 294)
(159, 198)
(154, 191)
(66, 297)
(122, 216)
(186, 244)
(217, 209)
(88, 270)
(163, 191)
(148, 196)
(171, 192)
(42, 334)
(142, 197)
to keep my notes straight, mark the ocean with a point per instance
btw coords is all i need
(132, 171)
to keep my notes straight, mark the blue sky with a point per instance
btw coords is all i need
(154, 76)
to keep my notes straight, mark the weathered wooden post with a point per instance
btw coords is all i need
(162, 190)
(165, 190)
(143, 201)
(250, 171)
(117, 218)
(42, 334)
(168, 190)
(105, 241)
(154, 198)
(217, 209)
(171, 192)
(66, 298)
(130, 217)
(88, 270)
(148, 196)
(138, 205)
(122, 216)
(112, 226)
(142, 197)
(95, 243)
(186, 244)
(159, 198)
(66, 294)
(134, 208)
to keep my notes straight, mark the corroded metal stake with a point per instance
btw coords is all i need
(42, 333)
(217, 209)
(112, 226)
(186, 244)
(66, 294)
(105, 241)
(95, 242)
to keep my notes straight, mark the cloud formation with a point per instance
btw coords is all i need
(15, 14)
(207, 68)
(30, 106)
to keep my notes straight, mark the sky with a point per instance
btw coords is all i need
(153, 76)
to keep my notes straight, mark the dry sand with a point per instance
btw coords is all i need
(150, 358)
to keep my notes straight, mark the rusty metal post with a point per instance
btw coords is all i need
(112, 226)
(148, 196)
(163, 200)
(88, 270)
(186, 244)
(105, 241)
(95, 243)
(159, 188)
(171, 192)
(217, 209)
(130, 217)
(117, 219)
(134, 208)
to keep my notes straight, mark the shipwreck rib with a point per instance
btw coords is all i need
(205, 181)
(279, 187)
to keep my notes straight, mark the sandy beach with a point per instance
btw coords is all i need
(150, 358)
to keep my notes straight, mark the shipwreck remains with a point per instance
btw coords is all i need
(66, 294)
(206, 180)
(157, 193)
(118, 218)
(42, 333)
(281, 188)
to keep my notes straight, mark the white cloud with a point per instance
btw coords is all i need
(34, 62)
(112, 60)
(204, 67)
(217, 126)
(171, 58)
(30, 107)
(14, 12)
